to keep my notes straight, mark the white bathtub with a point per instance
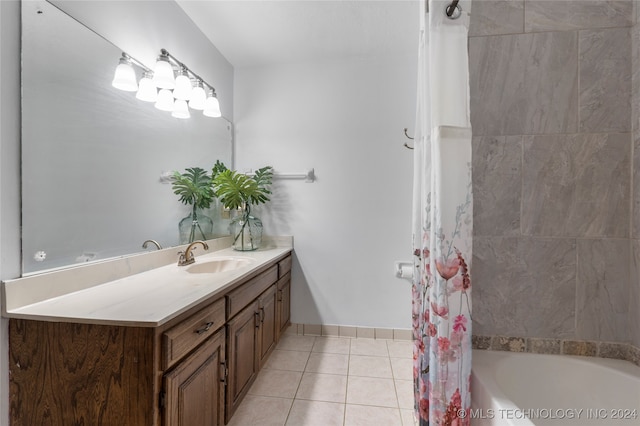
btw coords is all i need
(521, 389)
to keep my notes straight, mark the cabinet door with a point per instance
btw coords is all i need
(268, 325)
(195, 387)
(242, 332)
(284, 303)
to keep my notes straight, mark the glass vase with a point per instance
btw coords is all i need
(247, 232)
(196, 226)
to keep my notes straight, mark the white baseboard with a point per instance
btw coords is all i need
(350, 331)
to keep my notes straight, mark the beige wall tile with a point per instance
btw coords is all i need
(347, 331)
(493, 17)
(524, 84)
(544, 15)
(330, 330)
(605, 101)
(384, 333)
(400, 334)
(576, 185)
(602, 300)
(336, 345)
(510, 273)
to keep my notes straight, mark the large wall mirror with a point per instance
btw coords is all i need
(92, 155)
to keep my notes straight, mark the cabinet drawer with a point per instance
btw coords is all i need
(182, 338)
(245, 294)
(284, 266)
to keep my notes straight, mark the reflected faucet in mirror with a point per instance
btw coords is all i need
(186, 257)
(154, 242)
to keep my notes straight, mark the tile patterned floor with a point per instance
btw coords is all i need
(332, 381)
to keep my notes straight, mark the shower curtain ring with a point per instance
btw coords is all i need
(454, 10)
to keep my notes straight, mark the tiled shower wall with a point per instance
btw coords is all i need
(634, 284)
(556, 244)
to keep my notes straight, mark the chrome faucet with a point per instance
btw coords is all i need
(158, 246)
(186, 258)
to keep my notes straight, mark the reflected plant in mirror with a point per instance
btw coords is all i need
(194, 189)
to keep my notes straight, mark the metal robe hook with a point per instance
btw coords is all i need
(409, 137)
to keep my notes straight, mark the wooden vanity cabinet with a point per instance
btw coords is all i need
(267, 335)
(193, 387)
(242, 334)
(191, 371)
(194, 390)
(93, 374)
(82, 374)
(283, 297)
(251, 333)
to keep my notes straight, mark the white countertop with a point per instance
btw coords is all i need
(147, 299)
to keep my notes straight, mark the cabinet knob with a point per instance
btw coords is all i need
(257, 318)
(204, 329)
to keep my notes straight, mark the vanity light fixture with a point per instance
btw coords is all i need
(198, 96)
(165, 100)
(147, 91)
(211, 105)
(125, 76)
(183, 86)
(171, 85)
(180, 109)
(163, 76)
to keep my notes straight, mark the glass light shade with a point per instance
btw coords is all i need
(198, 96)
(180, 109)
(165, 100)
(163, 74)
(212, 106)
(183, 86)
(146, 89)
(125, 76)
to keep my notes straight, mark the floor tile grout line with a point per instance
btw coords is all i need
(350, 356)
(299, 383)
(346, 391)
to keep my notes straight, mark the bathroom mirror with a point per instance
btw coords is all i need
(92, 155)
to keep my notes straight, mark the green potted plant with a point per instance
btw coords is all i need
(194, 188)
(238, 191)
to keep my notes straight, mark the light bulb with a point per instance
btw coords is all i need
(146, 89)
(163, 74)
(180, 109)
(165, 100)
(198, 96)
(183, 86)
(212, 106)
(125, 76)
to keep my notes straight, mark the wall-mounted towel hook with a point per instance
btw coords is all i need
(407, 135)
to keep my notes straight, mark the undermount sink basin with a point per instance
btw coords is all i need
(219, 264)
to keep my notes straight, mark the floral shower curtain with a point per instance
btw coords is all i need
(442, 220)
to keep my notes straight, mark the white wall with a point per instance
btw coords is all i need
(344, 119)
